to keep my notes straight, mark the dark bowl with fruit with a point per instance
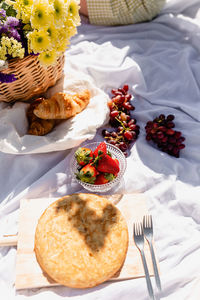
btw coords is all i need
(98, 167)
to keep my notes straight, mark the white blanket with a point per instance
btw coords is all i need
(160, 61)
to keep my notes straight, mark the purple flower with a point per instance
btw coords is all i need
(15, 34)
(2, 14)
(10, 28)
(12, 22)
(4, 29)
(7, 78)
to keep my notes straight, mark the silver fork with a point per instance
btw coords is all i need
(139, 241)
(148, 232)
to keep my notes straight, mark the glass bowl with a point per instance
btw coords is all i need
(101, 188)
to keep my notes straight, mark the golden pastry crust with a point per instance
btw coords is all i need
(62, 105)
(81, 240)
(38, 126)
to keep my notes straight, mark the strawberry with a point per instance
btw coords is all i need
(107, 164)
(87, 174)
(104, 178)
(101, 149)
(83, 156)
(116, 160)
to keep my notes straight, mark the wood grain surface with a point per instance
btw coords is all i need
(28, 272)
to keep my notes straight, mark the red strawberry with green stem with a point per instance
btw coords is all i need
(87, 174)
(106, 164)
(103, 178)
(83, 156)
(101, 149)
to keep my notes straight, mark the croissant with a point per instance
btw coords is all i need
(62, 105)
(38, 126)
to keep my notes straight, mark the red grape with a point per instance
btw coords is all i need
(170, 132)
(127, 131)
(161, 133)
(114, 113)
(126, 88)
(128, 135)
(170, 118)
(170, 124)
(128, 97)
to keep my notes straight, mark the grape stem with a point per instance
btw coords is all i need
(121, 123)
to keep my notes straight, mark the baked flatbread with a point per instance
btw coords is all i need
(81, 240)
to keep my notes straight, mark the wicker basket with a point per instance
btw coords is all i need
(32, 78)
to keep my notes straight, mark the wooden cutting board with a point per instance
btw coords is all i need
(28, 272)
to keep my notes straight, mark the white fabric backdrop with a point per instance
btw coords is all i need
(160, 61)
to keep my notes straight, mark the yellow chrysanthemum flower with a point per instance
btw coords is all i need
(39, 41)
(62, 40)
(41, 14)
(73, 12)
(70, 28)
(49, 25)
(59, 12)
(53, 34)
(48, 58)
(62, 34)
(23, 8)
(62, 46)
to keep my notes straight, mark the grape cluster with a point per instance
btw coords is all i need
(126, 131)
(161, 132)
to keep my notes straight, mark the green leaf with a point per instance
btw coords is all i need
(109, 176)
(27, 27)
(88, 174)
(10, 11)
(108, 152)
(100, 152)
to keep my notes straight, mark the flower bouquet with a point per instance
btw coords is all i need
(34, 35)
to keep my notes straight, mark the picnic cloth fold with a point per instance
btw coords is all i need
(160, 60)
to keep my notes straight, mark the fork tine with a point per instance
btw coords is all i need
(140, 228)
(141, 231)
(145, 221)
(137, 229)
(134, 229)
(151, 221)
